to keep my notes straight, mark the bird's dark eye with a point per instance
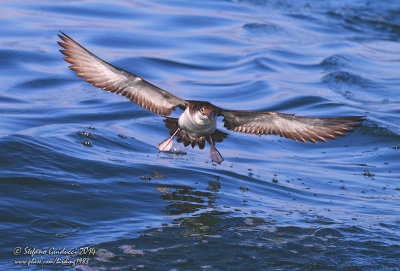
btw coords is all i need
(202, 110)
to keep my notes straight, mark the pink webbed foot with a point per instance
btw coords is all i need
(166, 145)
(216, 156)
(214, 153)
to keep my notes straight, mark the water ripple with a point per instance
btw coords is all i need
(81, 164)
(59, 228)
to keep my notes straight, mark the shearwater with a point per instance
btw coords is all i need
(198, 122)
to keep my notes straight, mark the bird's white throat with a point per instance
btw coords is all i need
(197, 124)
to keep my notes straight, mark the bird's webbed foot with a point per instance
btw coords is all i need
(166, 145)
(214, 153)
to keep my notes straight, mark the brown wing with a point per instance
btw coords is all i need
(287, 125)
(105, 76)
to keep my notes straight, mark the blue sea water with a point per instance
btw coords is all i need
(79, 168)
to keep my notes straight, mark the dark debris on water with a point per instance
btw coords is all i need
(146, 178)
(87, 143)
(368, 174)
(86, 134)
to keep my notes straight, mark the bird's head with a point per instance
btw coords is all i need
(205, 110)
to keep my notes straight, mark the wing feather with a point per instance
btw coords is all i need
(287, 125)
(108, 77)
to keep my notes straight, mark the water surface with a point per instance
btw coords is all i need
(79, 166)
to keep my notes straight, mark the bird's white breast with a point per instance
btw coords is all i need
(197, 125)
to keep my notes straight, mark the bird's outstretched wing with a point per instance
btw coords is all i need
(105, 76)
(287, 125)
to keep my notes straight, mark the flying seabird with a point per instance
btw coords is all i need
(197, 124)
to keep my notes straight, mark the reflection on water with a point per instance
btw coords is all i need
(79, 166)
(214, 239)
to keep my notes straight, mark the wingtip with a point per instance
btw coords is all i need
(61, 37)
(64, 36)
(359, 118)
(357, 121)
